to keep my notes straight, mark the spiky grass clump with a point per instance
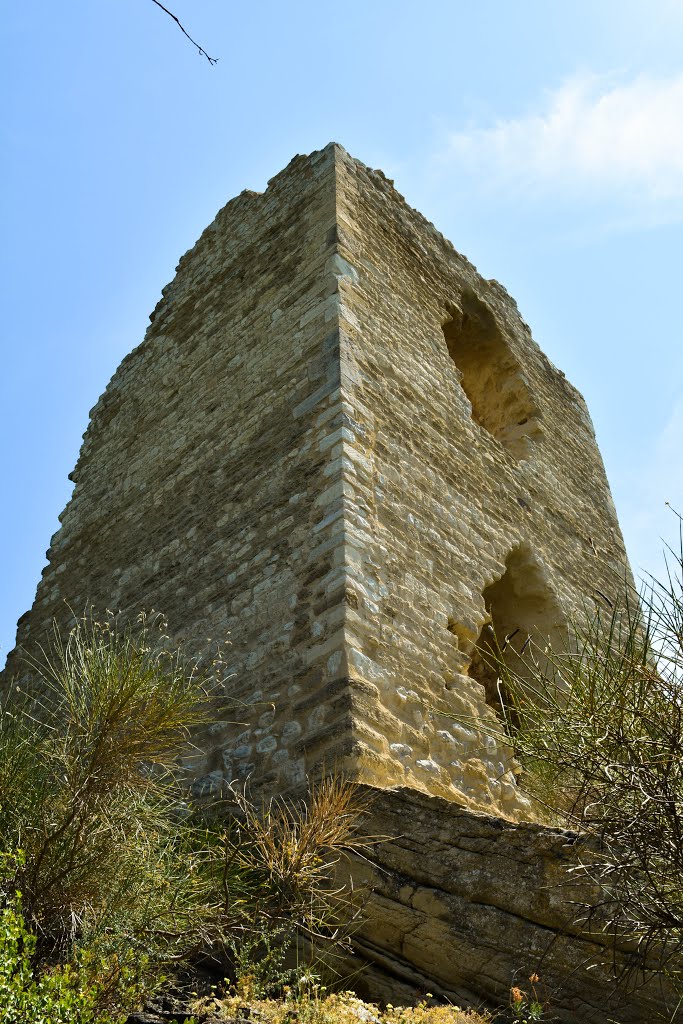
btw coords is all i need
(88, 800)
(292, 848)
(120, 876)
(283, 903)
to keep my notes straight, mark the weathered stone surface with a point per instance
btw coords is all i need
(465, 905)
(203, 487)
(339, 446)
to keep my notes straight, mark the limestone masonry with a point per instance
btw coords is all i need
(339, 446)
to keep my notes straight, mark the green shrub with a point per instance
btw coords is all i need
(122, 878)
(58, 996)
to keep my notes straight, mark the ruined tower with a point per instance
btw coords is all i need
(339, 446)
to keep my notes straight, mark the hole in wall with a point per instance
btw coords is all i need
(520, 605)
(490, 375)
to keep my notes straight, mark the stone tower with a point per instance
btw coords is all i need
(340, 447)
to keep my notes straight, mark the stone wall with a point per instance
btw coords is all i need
(340, 447)
(205, 487)
(474, 489)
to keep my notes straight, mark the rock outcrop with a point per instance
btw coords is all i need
(466, 905)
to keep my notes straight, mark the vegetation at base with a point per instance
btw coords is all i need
(110, 878)
(53, 997)
(598, 727)
(526, 1004)
(315, 1006)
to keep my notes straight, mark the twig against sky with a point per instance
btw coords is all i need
(211, 60)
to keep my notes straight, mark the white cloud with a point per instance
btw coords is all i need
(592, 138)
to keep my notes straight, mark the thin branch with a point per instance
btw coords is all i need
(202, 51)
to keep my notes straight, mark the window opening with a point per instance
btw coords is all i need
(490, 375)
(519, 606)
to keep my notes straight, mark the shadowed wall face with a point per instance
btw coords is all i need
(334, 442)
(203, 487)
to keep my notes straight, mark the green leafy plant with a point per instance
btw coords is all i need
(58, 996)
(260, 955)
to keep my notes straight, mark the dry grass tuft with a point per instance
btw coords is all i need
(339, 1008)
(299, 844)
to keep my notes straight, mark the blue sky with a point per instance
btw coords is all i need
(544, 139)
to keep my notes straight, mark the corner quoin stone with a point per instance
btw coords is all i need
(339, 446)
